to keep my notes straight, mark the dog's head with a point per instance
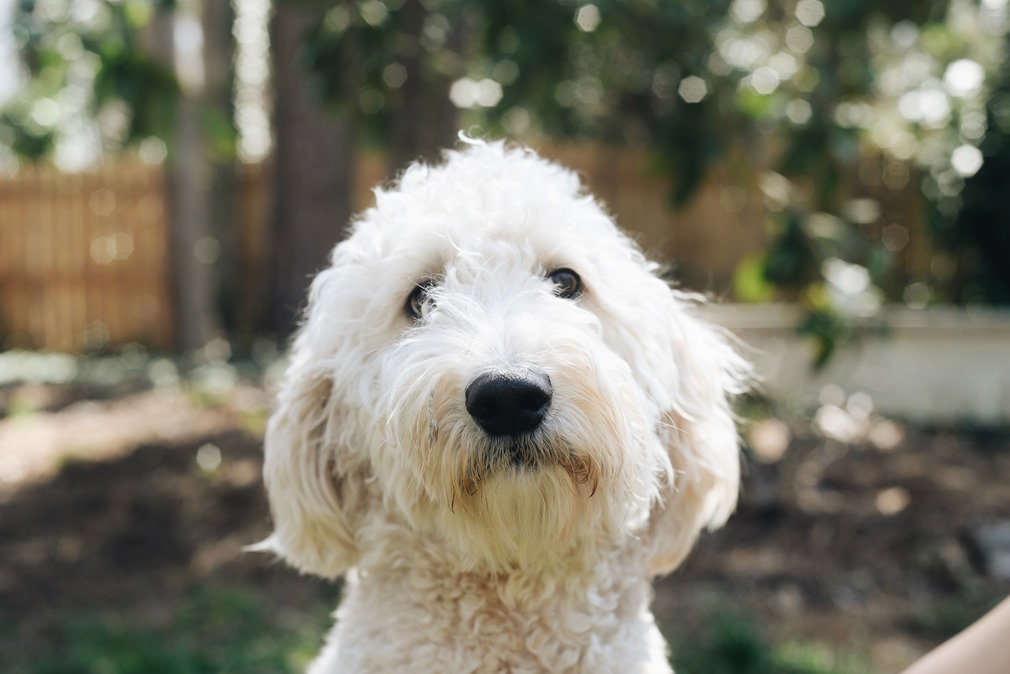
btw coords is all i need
(491, 361)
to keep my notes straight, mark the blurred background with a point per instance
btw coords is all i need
(832, 174)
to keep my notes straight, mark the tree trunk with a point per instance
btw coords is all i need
(187, 175)
(425, 121)
(313, 171)
(218, 21)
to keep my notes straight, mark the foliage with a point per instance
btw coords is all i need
(948, 617)
(607, 71)
(820, 110)
(846, 89)
(813, 93)
(219, 630)
(84, 60)
(976, 231)
(95, 82)
(611, 71)
(148, 89)
(730, 644)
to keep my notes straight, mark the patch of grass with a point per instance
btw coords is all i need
(205, 399)
(76, 459)
(731, 644)
(106, 647)
(254, 421)
(947, 617)
(218, 631)
(752, 406)
(20, 408)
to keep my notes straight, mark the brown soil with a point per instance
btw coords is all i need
(871, 551)
(851, 546)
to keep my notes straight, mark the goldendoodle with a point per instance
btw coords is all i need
(498, 424)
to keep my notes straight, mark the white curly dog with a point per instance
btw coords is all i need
(499, 424)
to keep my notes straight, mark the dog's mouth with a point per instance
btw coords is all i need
(518, 453)
(521, 452)
(526, 453)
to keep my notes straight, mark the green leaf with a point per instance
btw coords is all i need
(749, 282)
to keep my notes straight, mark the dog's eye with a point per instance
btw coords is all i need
(417, 300)
(567, 283)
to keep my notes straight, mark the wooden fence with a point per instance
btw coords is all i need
(83, 259)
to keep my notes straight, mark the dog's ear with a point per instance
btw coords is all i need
(314, 482)
(694, 375)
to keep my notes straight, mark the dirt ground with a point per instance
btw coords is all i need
(126, 503)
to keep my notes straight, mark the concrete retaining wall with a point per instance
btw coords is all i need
(942, 365)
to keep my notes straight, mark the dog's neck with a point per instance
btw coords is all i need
(562, 616)
(410, 551)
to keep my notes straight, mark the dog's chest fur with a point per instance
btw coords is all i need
(411, 615)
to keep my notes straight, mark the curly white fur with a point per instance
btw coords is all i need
(456, 559)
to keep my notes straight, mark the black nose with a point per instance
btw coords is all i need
(509, 402)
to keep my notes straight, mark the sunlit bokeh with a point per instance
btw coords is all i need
(252, 78)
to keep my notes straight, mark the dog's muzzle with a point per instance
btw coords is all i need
(511, 402)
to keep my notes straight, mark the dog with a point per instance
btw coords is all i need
(498, 424)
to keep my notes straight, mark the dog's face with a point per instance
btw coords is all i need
(490, 361)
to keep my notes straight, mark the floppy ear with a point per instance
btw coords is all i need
(314, 483)
(697, 430)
